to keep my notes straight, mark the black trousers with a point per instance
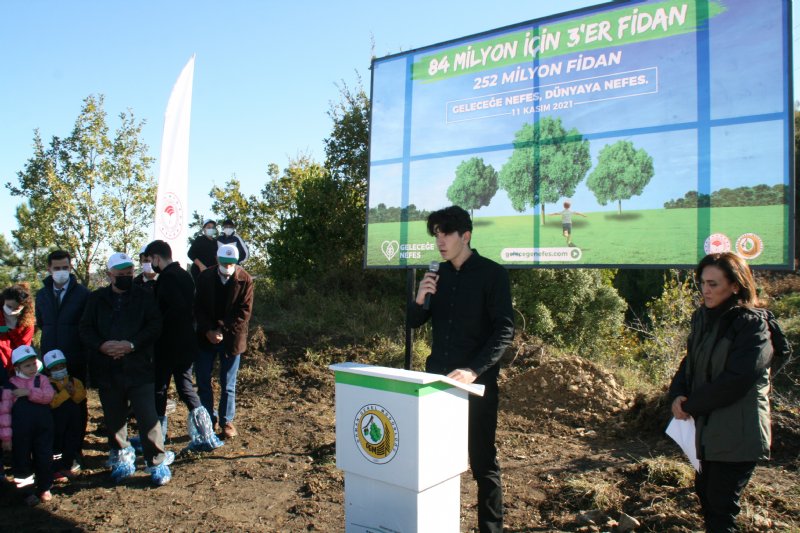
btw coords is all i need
(32, 442)
(68, 436)
(483, 458)
(182, 373)
(114, 400)
(719, 486)
(78, 368)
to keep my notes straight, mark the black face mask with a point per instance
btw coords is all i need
(123, 283)
(156, 269)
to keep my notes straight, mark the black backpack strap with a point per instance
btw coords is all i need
(781, 347)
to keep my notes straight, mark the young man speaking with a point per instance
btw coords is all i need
(473, 324)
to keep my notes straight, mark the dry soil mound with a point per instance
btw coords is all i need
(571, 390)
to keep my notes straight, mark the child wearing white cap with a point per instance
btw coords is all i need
(67, 420)
(26, 425)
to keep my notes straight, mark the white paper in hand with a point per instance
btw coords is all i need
(682, 432)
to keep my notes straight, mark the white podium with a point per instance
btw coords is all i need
(401, 440)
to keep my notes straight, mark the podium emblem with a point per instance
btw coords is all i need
(376, 435)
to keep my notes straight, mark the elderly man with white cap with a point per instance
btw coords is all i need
(119, 326)
(222, 307)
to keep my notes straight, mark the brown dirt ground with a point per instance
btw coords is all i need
(570, 440)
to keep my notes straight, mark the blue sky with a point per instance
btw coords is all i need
(264, 77)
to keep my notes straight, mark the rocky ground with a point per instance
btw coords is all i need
(578, 454)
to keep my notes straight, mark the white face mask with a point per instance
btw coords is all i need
(227, 231)
(60, 277)
(227, 270)
(13, 312)
(211, 232)
(147, 268)
(59, 374)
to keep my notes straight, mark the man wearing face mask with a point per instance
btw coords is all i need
(146, 279)
(222, 307)
(229, 236)
(203, 251)
(120, 324)
(176, 348)
(59, 307)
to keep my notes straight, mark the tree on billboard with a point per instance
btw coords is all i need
(622, 171)
(548, 163)
(87, 192)
(475, 184)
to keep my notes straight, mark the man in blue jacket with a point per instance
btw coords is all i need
(59, 307)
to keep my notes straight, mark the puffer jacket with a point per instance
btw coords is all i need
(43, 394)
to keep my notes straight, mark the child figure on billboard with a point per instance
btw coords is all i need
(566, 221)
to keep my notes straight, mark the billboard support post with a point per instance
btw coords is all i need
(411, 277)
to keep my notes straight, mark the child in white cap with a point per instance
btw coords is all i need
(67, 420)
(26, 425)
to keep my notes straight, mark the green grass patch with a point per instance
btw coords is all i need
(646, 237)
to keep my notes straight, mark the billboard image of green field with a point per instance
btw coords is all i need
(641, 133)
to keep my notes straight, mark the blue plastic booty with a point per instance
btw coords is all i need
(201, 431)
(122, 463)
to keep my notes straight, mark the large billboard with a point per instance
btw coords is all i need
(638, 133)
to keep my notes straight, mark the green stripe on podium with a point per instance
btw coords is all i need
(391, 385)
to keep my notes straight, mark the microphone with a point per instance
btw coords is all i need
(433, 267)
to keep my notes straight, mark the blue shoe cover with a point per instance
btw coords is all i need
(122, 463)
(169, 457)
(122, 471)
(160, 475)
(213, 442)
(201, 431)
(125, 455)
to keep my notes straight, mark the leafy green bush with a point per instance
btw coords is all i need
(569, 308)
(669, 316)
(786, 306)
(333, 311)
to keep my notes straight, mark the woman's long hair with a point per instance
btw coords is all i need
(736, 271)
(21, 292)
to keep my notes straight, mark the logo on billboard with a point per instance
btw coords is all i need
(389, 249)
(171, 216)
(376, 434)
(749, 246)
(717, 243)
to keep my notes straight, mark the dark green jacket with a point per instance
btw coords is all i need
(725, 376)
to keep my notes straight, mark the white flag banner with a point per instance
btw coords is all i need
(172, 205)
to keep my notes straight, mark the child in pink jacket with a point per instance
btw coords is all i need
(26, 424)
